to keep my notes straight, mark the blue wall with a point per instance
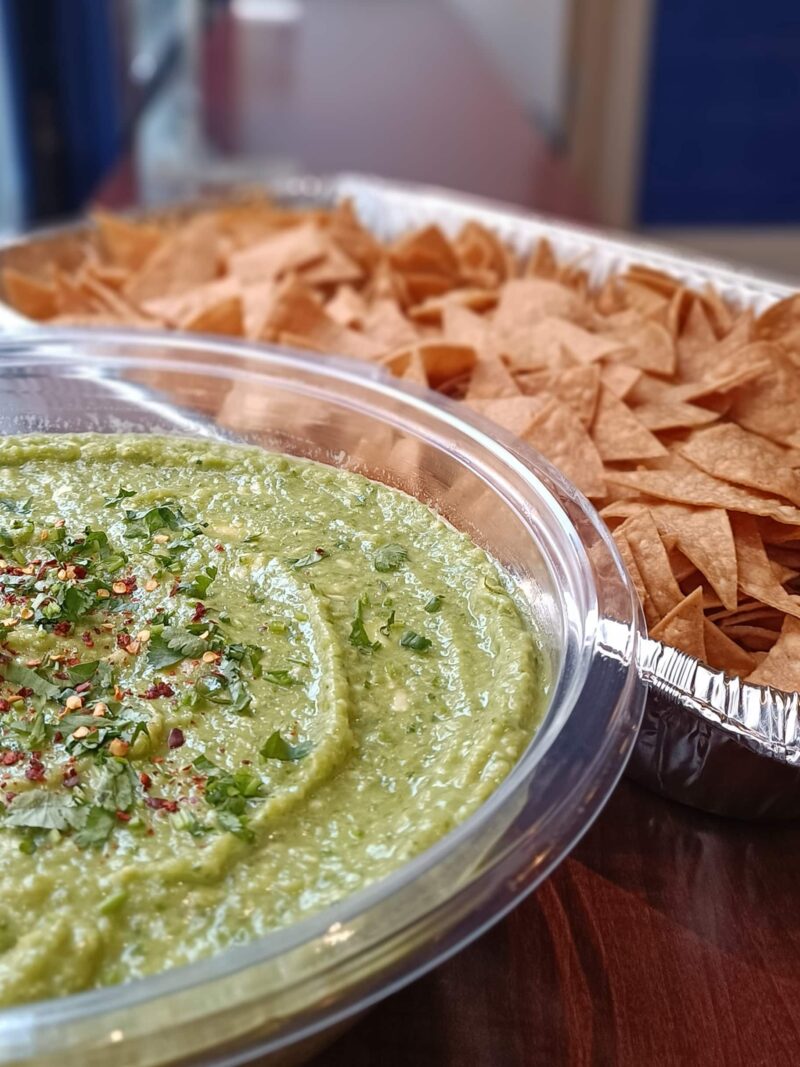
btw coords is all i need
(722, 132)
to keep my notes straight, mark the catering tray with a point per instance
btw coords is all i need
(707, 740)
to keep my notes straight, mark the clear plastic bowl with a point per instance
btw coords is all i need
(283, 996)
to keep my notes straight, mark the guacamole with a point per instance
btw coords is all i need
(234, 688)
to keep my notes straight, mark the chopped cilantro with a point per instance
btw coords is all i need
(276, 747)
(27, 678)
(434, 604)
(115, 787)
(358, 634)
(93, 826)
(198, 586)
(42, 809)
(122, 494)
(387, 626)
(204, 765)
(172, 645)
(82, 672)
(230, 792)
(281, 676)
(410, 639)
(390, 558)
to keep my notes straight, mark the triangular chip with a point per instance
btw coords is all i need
(675, 416)
(704, 535)
(731, 453)
(514, 413)
(755, 574)
(297, 312)
(29, 296)
(560, 437)
(684, 626)
(223, 317)
(781, 668)
(190, 257)
(725, 654)
(619, 435)
(653, 563)
(579, 387)
(128, 244)
(279, 254)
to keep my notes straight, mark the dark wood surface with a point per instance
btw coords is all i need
(667, 937)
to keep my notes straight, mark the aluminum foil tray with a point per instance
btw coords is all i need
(707, 740)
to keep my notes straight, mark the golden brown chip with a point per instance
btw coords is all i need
(223, 317)
(514, 413)
(675, 416)
(724, 653)
(296, 312)
(731, 453)
(755, 574)
(29, 296)
(560, 437)
(695, 487)
(347, 307)
(653, 563)
(770, 405)
(779, 319)
(408, 365)
(524, 302)
(127, 244)
(425, 252)
(620, 379)
(684, 626)
(279, 254)
(649, 347)
(187, 259)
(704, 535)
(384, 322)
(618, 434)
(579, 387)
(781, 668)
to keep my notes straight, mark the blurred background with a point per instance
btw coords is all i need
(679, 119)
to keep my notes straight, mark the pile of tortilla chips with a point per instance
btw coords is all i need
(677, 415)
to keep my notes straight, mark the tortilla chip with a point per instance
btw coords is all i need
(771, 405)
(514, 414)
(385, 322)
(127, 244)
(491, 378)
(296, 312)
(425, 252)
(650, 348)
(705, 537)
(335, 268)
(734, 455)
(579, 387)
(432, 311)
(279, 254)
(781, 668)
(755, 574)
(653, 563)
(524, 302)
(779, 319)
(550, 335)
(226, 317)
(408, 365)
(695, 487)
(673, 416)
(618, 434)
(542, 262)
(29, 296)
(187, 259)
(560, 437)
(684, 626)
(347, 307)
(724, 653)
(179, 307)
(620, 379)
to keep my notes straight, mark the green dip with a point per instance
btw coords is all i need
(236, 687)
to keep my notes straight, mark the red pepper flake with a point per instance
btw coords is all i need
(160, 689)
(8, 759)
(123, 640)
(175, 587)
(123, 816)
(199, 612)
(4, 705)
(62, 628)
(146, 781)
(219, 548)
(176, 738)
(58, 736)
(61, 675)
(86, 637)
(35, 771)
(80, 570)
(70, 779)
(161, 804)
(25, 691)
(83, 687)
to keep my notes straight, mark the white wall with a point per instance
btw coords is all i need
(528, 39)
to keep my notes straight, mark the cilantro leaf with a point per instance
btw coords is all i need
(115, 788)
(75, 603)
(230, 792)
(236, 825)
(358, 634)
(387, 626)
(198, 586)
(204, 764)
(40, 808)
(17, 507)
(82, 672)
(281, 677)
(27, 678)
(410, 639)
(94, 827)
(434, 604)
(314, 556)
(122, 494)
(390, 558)
(277, 747)
(172, 645)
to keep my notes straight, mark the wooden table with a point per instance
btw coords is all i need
(667, 937)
